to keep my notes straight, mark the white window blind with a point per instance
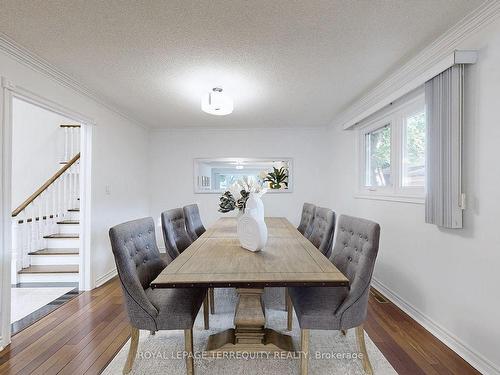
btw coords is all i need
(444, 115)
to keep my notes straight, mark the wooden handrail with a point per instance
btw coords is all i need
(44, 187)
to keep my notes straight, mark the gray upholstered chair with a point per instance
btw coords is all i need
(194, 225)
(138, 263)
(342, 308)
(322, 230)
(175, 235)
(195, 229)
(306, 218)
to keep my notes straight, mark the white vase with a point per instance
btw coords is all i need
(255, 202)
(252, 229)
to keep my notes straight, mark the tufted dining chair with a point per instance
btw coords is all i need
(341, 308)
(174, 230)
(194, 225)
(138, 262)
(195, 229)
(306, 218)
(322, 230)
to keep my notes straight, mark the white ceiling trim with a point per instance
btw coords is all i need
(37, 63)
(425, 61)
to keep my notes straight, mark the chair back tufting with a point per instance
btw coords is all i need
(306, 218)
(322, 231)
(194, 225)
(354, 254)
(174, 231)
(138, 263)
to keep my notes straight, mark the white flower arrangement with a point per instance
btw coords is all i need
(238, 193)
(249, 185)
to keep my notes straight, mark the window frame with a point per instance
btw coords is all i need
(396, 119)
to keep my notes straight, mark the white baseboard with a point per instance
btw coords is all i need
(475, 359)
(105, 278)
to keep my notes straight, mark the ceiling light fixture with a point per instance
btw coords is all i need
(217, 103)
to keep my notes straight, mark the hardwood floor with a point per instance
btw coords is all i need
(83, 336)
(409, 348)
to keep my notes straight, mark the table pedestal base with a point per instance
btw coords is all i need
(273, 341)
(249, 334)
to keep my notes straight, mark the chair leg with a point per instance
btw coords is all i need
(286, 299)
(289, 310)
(188, 347)
(360, 336)
(212, 300)
(304, 347)
(132, 352)
(205, 312)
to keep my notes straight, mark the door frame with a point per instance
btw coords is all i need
(8, 92)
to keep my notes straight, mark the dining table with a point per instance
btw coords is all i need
(216, 260)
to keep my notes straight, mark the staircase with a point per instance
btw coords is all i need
(46, 227)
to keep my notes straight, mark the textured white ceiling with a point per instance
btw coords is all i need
(286, 63)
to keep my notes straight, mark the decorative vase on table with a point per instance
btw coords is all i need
(252, 229)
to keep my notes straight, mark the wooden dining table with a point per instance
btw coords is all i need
(217, 260)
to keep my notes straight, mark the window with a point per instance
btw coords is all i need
(392, 153)
(414, 150)
(378, 157)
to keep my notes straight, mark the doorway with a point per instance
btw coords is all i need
(45, 207)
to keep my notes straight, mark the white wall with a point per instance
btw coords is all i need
(37, 147)
(173, 151)
(449, 276)
(120, 159)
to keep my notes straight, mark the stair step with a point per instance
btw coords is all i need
(63, 235)
(73, 210)
(63, 251)
(69, 222)
(50, 269)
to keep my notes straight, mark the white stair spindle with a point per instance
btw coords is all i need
(78, 183)
(64, 178)
(75, 185)
(77, 132)
(24, 235)
(59, 199)
(70, 190)
(53, 209)
(47, 223)
(43, 213)
(30, 236)
(66, 145)
(39, 234)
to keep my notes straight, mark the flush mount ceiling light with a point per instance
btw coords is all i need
(216, 103)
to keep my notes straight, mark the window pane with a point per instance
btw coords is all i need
(414, 151)
(378, 157)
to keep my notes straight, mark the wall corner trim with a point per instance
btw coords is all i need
(432, 60)
(474, 358)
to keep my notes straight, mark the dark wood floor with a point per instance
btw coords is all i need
(83, 335)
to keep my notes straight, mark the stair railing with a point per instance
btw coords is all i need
(71, 139)
(38, 215)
